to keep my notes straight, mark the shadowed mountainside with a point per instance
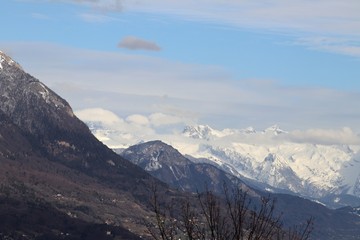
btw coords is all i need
(48, 154)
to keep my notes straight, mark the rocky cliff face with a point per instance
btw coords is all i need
(49, 123)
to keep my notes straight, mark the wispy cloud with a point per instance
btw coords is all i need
(103, 5)
(96, 18)
(339, 20)
(325, 136)
(40, 16)
(332, 44)
(99, 115)
(303, 20)
(329, 16)
(135, 43)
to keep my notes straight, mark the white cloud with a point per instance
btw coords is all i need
(138, 119)
(135, 43)
(326, 18)
(326, 136)
(300, 18)
(103, 5)
(331, 44)
(138, 127)
(160, 119)
(98, 115)
(329, 16)
(96, 18)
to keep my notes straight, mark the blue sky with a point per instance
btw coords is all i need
(224, 63)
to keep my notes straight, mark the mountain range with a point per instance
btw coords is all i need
(282, 164)
(272, 159)
(59, 182)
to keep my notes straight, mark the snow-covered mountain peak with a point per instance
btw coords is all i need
(274, 129)
(249, 130)
(6, 60)
(200, 132)
(207, 133)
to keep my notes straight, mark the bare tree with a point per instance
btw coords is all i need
(192, 227)
(233, 217)
(301, 232)
(263, 223)
(237, 205)
(165, 226)
(217, 223)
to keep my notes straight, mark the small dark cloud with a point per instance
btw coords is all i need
(134, 43)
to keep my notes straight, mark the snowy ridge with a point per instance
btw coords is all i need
(202, 132)
(275, 129)
(295, 167)
(207, 133)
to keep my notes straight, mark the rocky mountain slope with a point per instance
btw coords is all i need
(48, 155)
(43, 199)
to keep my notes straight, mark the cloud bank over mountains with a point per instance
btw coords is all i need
(169, 128)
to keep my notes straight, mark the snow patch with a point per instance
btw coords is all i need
(44, 92)
(172, 170)
(2, 59)
(318, 202)
(269, 190)
(8, 60)
(153, 164)
(111, 163)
